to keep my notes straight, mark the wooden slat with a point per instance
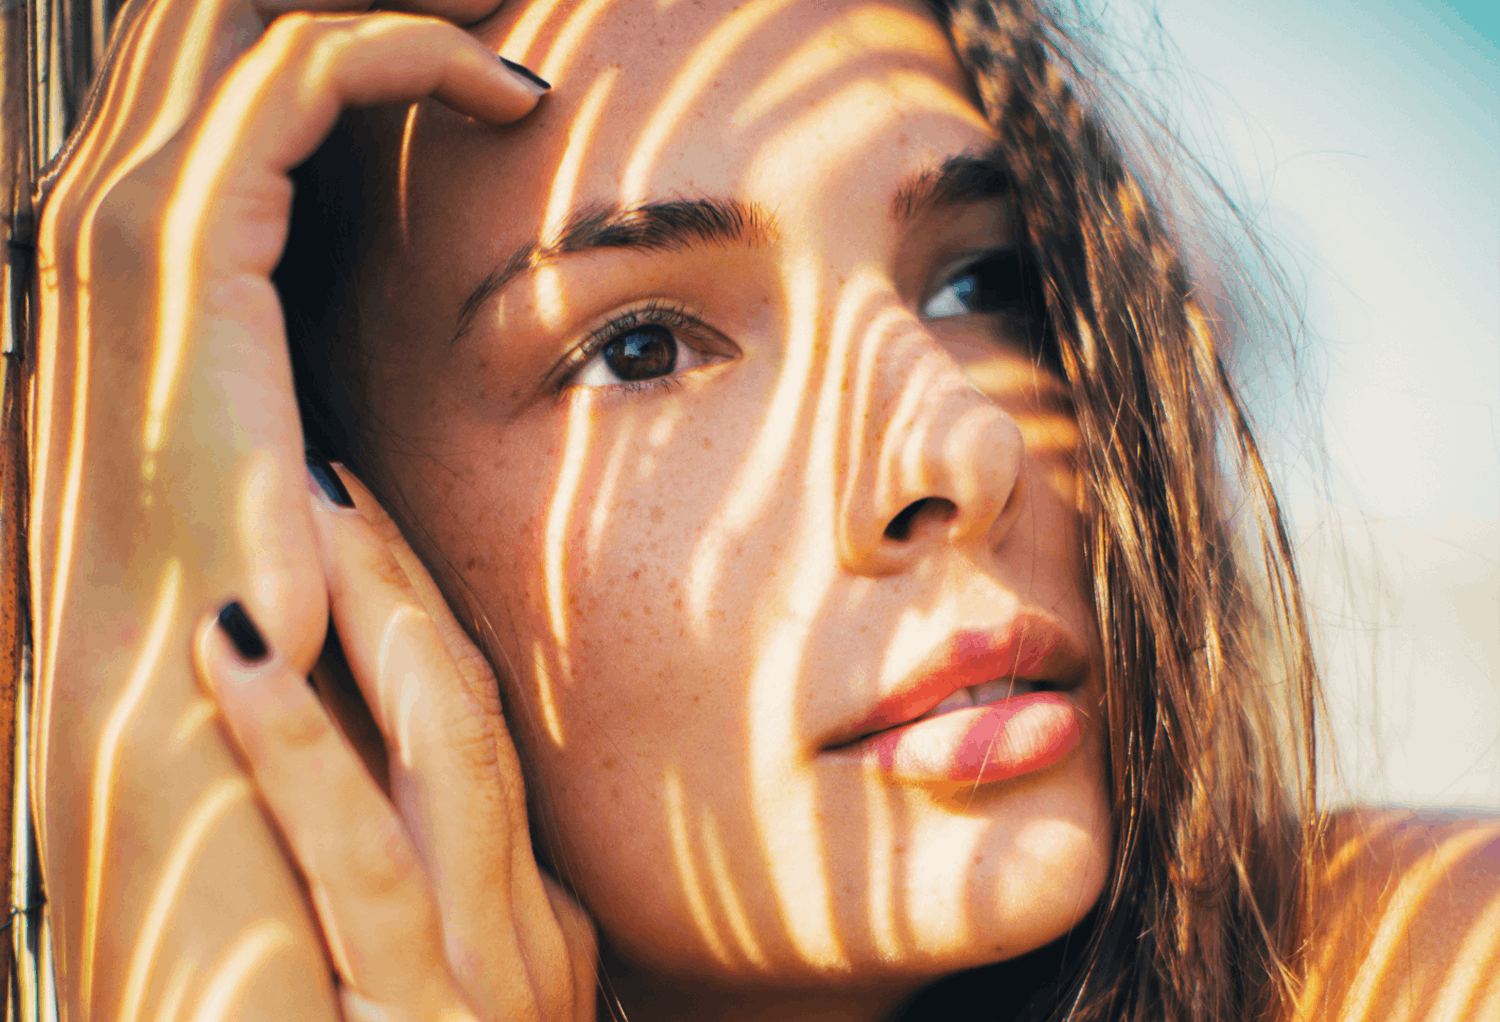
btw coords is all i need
(15, 187)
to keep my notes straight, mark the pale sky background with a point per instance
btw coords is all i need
(1365, 136)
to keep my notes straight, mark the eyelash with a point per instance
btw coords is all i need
(656, 312)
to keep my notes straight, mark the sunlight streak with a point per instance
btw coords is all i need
(176, 991)
(707, 62)
(111, 737)
(550, 297)
(604, 508)
(181, 230)
(1464, 983)
(403, 172)
(73, 171)
(400, 689)
(842, 410)
(173, 111)
(1402, 906)
(866, 33)
(662, 428)
(579, 431)
(722, 875)
(216, 802)
(564, 189)
(805, 900)
(546, 696)
(523, 34)
(198, 713)
(569, 38)
(756, 483)
(252, 950)
(881, 879)
(687, 870)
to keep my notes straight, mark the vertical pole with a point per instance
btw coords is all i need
(17, 135)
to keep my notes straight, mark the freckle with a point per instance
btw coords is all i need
(978, 860)
(658, 515)
(708, 444)
(609, 763)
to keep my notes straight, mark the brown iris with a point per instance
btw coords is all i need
(644, 353)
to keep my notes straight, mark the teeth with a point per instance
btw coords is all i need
(994, 691)
(957, 701)
(980, 695)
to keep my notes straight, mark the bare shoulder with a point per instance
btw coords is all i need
(1406, 910)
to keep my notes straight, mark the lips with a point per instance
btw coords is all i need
(982, 706)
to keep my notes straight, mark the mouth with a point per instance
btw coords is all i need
(984, 706)
(986, 693)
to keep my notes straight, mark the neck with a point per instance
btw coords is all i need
(993, 992)
(646, 997)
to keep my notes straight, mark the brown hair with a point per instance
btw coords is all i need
(1212, 776)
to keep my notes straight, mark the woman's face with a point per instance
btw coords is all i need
(706, 384)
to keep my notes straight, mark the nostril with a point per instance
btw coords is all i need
(937, 508)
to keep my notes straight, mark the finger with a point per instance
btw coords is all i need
(462, 12)
(164, 57)
(282, 98)
(454, 773)
(279, 102)
(367, 883)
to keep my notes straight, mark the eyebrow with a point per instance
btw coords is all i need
(676, 225)
(673, 225)
(958, 180)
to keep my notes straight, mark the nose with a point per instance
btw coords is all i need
(932, 460)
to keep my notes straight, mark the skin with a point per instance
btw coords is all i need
(692, 585)
(747, 871)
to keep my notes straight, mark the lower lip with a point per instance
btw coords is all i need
(1005, 739)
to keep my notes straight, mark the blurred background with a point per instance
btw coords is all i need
(1363, 139)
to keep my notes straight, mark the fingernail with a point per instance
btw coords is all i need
(242, 633)
(327, 479)
(528, 74)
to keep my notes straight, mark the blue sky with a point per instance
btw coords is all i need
(1364, 137)
(1367, 136)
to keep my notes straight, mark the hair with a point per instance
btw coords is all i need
(1210, 686)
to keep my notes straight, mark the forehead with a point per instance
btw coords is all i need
(780, 102)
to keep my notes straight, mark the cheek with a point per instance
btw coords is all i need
(591, 545)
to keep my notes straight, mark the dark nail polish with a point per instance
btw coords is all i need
(243, 633)
(528, 74)
(327, 479)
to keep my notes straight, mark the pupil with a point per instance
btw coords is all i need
(1003, 282)
(642, 354)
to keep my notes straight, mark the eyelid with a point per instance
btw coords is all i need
(955, 268)
(688, 328)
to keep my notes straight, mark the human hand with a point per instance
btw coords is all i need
(431, 902)
(168, 474)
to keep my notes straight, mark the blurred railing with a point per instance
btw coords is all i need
(48, 52)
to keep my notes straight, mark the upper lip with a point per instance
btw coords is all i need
(1031, 646)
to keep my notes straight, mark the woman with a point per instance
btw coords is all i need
(813, 432)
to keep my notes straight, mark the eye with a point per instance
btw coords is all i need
(999, 282)
(642, 348)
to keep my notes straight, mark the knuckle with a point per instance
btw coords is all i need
(297, 725)
(381, 862)
(293, 25)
